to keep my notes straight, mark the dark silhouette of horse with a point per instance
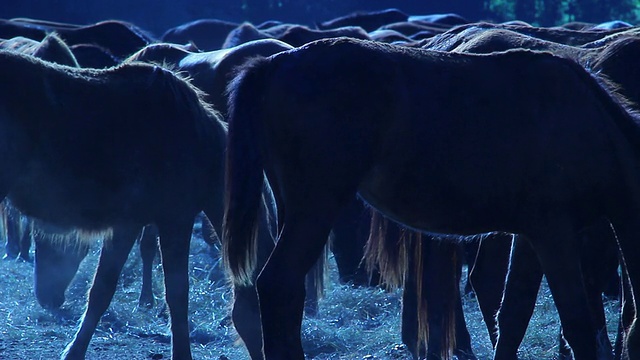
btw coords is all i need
(109, 151)
(210, 71)
(369, 21)
(493, 146)
(51, 48)
(616, 59)
(206, 34)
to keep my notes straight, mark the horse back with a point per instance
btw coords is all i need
(127, 138)
(386, 118)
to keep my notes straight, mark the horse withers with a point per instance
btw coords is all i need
(519, 142)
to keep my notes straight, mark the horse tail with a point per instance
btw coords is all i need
(425, 267)
(386, 251)
(244, 177)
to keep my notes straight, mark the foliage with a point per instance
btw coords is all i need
(556, 12)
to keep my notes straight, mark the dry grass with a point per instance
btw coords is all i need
(353, 323)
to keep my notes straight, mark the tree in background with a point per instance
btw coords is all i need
(525, 10)
(597, 11)
(550, 14)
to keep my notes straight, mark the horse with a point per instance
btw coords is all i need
(369, 21)
(210, 71)
(444, 143)
(615, 58)
(206, 34)
(109, 151)
(51, 48)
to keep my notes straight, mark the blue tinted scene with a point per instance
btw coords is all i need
(289, 180)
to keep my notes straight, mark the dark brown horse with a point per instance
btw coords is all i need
(110, 151)
(441, 142)
(616, 58)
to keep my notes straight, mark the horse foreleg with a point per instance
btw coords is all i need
(148, 250)
(175, 237)
(113, 255)
(281, 284)
(520, 291)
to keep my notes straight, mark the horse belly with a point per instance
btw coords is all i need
(81, 203)
(431, 205)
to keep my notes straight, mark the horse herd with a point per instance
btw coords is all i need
(520, 140)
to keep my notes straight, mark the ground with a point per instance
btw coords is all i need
(352, 324)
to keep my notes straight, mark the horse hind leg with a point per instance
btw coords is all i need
(281, 284)
(557, 248)
(627, 228)
(113, 255)
(148, 250)
(487, 277)
(518, 301)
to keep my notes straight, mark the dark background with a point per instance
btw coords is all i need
(159, 15)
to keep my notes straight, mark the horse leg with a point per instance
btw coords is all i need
(557, 249)
(246, 309)
(314, 286)
(626, 315)
(599, 258)
(470, 250)
(520, 291)
(148, 250)
(487, 277)
(462, 350)
(627, 230)
(113, 255)
(175, 237)
(12, 247)
(281, 284)
(25, 239)
(349, 236)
